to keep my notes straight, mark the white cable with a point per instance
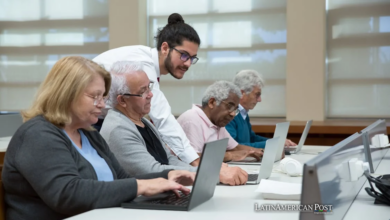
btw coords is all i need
(277, 170)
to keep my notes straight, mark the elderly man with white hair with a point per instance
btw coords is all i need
(135, 142)
(250, 82)
(207, 122)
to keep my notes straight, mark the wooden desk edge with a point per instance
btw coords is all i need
(260, 125)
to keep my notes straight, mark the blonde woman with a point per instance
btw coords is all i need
(58, 166)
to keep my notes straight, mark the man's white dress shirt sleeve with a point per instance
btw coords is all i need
(170, 130)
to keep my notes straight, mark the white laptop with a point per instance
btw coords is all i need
(267, 164)
(295, 150)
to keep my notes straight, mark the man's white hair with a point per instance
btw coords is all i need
(119, 71)
(247, 79)
(220, 91)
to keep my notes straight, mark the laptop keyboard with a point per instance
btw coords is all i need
(252, 177)
(172, 200)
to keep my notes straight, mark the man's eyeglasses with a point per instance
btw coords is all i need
(232, 108)
(144, 94)
(185, 56)
(97, 98)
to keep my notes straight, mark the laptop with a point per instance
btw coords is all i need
(281, 131)
(295, 150)
(202, 190)
(267, 162)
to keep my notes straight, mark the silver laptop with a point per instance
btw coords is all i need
(204, 185)
(302, 140)
(267, 162)
(281, 132)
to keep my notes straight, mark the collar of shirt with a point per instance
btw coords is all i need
(198, 109)
(243, 112)
(155, 61)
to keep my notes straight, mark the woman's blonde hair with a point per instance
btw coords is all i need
(64, 84)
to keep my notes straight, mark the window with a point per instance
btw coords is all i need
(235, 35)
(358, 49)
(34, 34)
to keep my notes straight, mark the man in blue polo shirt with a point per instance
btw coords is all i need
(250, 83)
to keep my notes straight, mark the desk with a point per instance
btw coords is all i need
(4, 141)
(229, 202)
(328, 132)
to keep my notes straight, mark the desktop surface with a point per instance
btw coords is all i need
(229, 202)
(4, 141)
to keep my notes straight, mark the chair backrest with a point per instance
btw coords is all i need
(2, 205)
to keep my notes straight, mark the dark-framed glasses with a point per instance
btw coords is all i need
(143, 94)
(97, 98)
(185, 56)
(231, 108)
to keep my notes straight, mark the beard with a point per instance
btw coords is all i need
(169, 66)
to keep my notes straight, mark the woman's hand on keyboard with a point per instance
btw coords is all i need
(152, 187)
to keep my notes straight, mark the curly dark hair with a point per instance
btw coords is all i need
(175, 32)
